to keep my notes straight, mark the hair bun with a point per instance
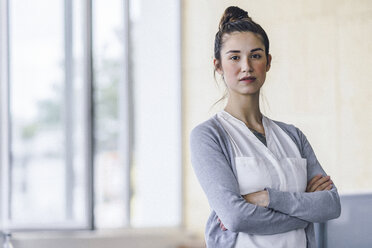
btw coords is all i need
(233, 14)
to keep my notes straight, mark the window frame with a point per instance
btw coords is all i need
(4, 112)
(125, 115)
(5, 154)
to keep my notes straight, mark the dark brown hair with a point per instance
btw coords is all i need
(234, 19)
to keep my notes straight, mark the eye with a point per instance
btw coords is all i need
(256, 56)
(235, 57)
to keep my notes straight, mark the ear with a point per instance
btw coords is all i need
(217, 66)
(268, 65)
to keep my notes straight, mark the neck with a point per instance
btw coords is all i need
(246, 108)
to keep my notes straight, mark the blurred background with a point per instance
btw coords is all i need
(98, 99)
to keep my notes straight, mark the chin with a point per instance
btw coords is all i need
(246, 91)
(250, 92)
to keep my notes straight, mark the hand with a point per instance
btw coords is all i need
(260, 198)
(319, 183)
(223, 228)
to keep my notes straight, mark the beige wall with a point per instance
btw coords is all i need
(320, 81)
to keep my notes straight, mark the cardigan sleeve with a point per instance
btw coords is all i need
(217, 179)
(317, 206)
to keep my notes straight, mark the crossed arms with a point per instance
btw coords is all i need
(262, 213)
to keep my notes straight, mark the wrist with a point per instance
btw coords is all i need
(265, 200)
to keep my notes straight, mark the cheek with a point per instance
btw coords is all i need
(230, 69)
(261, 67)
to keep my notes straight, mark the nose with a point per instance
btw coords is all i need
(247, 65)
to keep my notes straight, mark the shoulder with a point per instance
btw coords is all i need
(294, 133)
(209, 139)
(291, 129)
(211, 128)
(209, 132)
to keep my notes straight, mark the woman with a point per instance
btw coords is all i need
(261, 177)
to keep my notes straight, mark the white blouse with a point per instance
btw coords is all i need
(278, 165)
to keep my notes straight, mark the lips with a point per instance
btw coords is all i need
(248, 79)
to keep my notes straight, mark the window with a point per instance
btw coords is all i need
(90, 114)
(46, 170)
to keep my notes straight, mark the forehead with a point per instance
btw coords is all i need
(241, 41)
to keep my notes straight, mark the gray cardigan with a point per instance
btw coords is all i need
(212, 158)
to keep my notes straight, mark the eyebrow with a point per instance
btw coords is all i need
(238, 51)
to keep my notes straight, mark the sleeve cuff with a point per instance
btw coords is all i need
(274, 198)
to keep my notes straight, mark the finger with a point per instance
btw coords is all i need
(319, 182)
(312, 181)
(324, 185)
(329, 187)
(223, 228)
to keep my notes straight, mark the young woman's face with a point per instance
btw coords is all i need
(243, 63)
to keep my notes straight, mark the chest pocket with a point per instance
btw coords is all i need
(295, 174)
(252, 174)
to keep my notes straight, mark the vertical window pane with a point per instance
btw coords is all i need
(156, 83)
(110, 182)
(77, 109)
(46, 159)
